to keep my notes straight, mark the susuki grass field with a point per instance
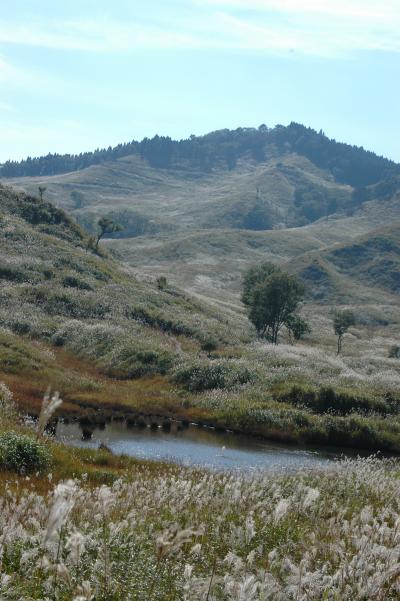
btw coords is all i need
(87, 525)
(185, 535)
(108, 339)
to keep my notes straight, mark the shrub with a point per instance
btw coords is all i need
(23, 454)
(7, 408)
(207, 376)
(161, 282)
(12, 273)
(71, 281)
(67, 302)
(209, 344)
(327, 400)
(157, 320)
(394, 352)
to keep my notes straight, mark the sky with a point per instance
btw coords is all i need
(80, 74)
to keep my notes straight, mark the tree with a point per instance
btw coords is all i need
(42, 190)
(253, 276)
(161, 282)
(297, 327)
(77, 198)
(107, 226)
(272, 296)
(342, 321)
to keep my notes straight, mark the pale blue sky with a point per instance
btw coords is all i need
(79, 74)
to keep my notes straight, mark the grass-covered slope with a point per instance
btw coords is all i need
(107, 340)
(202, 226)
(367, 268)
(56, 289)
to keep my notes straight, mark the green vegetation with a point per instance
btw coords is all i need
(23, 454)
(121, 340)
(208, 376)
(106, 226)
(272, 297)
(177, 534)
(394, 352)
(349, 164)
(84, 323)
(42, 190)
(342, 321)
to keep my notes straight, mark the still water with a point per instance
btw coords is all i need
(195, 446)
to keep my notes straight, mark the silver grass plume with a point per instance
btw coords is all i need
(49, 405)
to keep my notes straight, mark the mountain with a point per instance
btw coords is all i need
(117, 340)
(201, 210)
(349, 164)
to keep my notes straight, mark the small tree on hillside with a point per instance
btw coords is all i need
(42, 190)
(78, 199)
(342, 321)
(272, 296)
(161, 282)
(107, 226)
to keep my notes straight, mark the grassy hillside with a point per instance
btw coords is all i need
(367, 269)
(203, 227)
(108, 340)
(55, 289)
(284, 190)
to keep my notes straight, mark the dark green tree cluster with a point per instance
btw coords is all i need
(51, 164)
(349, 164)
(272, 296)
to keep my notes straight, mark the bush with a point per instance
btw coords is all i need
(71, 281)
(207, 376)
(209, 344)
(157, 320)
(12, 274)
(67, 302)
(23, 454)
(327, 400)
(394, 352)
(161, 282)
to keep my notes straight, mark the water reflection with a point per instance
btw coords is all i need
(196, 446)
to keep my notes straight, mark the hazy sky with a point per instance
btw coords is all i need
(79, 74)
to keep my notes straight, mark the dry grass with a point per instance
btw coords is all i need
(187, 536)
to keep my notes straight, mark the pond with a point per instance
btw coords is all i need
(197, 446)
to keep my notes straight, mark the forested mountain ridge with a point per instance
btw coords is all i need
(348, 164)
(203, 226)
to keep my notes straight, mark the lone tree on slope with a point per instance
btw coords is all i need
(272, 296)
(342, 321)
(107, 226)
(42, 190)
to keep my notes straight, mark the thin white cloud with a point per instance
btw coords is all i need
(92, 35)
(316, 27)
(366, 10)
(7, 71)
(13, 76)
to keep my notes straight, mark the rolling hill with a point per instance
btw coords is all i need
(201, 210)
(98, 327)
